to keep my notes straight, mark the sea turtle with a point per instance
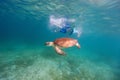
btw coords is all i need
(63, 43)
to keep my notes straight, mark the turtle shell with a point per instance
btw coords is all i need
(65, 42)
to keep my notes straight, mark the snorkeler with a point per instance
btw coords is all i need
(64, 25)
(67, 29)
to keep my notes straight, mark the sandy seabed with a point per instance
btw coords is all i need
(44, 64)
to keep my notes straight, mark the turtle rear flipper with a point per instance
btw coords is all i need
(77, 45)
(58, 50)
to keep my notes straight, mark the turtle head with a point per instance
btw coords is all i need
(49, 43)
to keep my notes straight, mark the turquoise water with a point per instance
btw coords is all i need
(25, 27)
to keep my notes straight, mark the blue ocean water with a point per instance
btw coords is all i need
(25, 27)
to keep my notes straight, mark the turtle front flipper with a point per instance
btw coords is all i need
(58, 50)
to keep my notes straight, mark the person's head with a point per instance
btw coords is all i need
(70, 31)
